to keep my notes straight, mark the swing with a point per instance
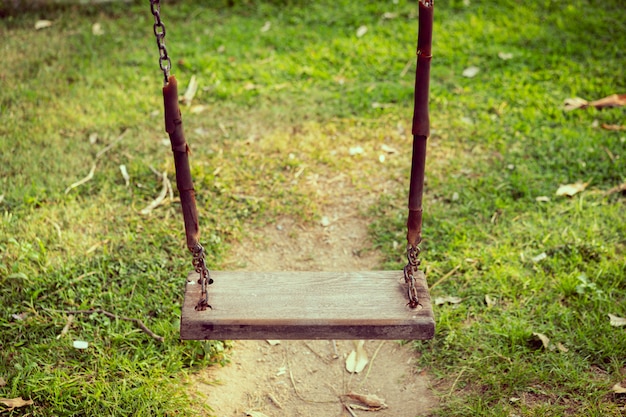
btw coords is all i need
(305, 305)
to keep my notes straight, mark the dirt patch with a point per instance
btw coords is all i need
(309, 378)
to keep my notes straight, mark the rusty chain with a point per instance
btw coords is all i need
(165, 63)
(205, 280)
(412, 253)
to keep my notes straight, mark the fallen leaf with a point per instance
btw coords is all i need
(449, 299)
(356, 150)
(505, 56)
(13, 403)
(390, 15)
(125, 175)
(198, 108)
(618, 389)
(281, 371)
(388, 149)
(571, 190)
(545, 342)
(616, 128)
(97, 30)
(470, 72)
(560, 346)
(357, 359)
(371, 400)
(542, 199)
(540, 257)
(617, 321)
(267, 26)
(490, 301)
(574, 103)
(42, 24)
(80, 344)
(614, 100)
(2, 382)
(273, 342)
(362, 30)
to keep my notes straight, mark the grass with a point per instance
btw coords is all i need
(300, 94)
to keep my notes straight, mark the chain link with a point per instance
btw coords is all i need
(165, 63)
(412, 253)
(205, 280)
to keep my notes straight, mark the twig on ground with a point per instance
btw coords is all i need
(619, 189)
(369, 366)
(84, 180)
(138, 322)
(323, 359)
(161, 197)
(93, 167)
(110, 145)
(66, 328)
(446, 276)
(347, 407)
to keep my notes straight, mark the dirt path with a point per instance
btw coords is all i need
(309, 378)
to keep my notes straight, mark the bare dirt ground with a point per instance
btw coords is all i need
(307, 377)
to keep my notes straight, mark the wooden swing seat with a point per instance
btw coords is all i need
(307, 305)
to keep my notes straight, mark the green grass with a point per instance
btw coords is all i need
(300, 95)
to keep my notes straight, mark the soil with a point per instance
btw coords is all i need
(308, 378)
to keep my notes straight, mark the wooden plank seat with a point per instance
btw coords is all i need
(307, 305)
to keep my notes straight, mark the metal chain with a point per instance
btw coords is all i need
(165, 63)
(412, 253)
(205, 280)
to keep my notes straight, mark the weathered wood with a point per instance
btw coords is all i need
(307, 305)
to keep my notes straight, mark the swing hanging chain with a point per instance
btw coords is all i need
(412, 253)
(205, 280)
(165, 63)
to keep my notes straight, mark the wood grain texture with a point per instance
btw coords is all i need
(307, 305)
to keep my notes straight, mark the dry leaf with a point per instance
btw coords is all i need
(617, 321)
(560, 346)
(362, 30)
(390, 15)
(371, 400)
(545, 342)
(505, 56)
(357, 359)
(97, 30)
(80, 344)
(13, 403)
(571, 190)
(490, 301)
(388, 149)
(542, 199)
(267, 26)
(2, 382)
(618, 389)
(273, 342)
(448, 299)
(574, 103)
(42, 24)
(614, 100)
(540, 257)
(190, 92)
(606, 126)
(125, 175)
(470, 72)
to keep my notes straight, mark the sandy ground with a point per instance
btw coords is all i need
(308, 377)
